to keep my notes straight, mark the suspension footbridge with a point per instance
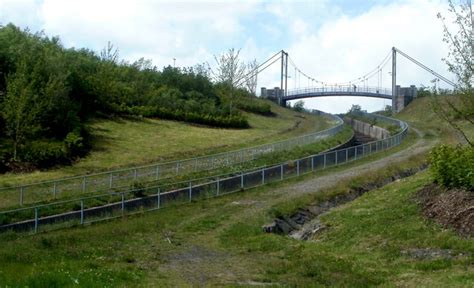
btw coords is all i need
(358, 86)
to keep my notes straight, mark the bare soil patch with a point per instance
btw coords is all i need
(451, 208)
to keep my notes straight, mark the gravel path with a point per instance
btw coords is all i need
(317, 183)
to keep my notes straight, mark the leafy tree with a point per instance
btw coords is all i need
(20, 109)
(460, 61)
(251, 81)
(355, 108)
(299, 106)
(229, 67)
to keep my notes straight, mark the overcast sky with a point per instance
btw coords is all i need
(332, 41)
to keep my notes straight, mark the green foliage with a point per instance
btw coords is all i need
(73, 143)
(299, 106)
(453, 166)
(44, 153)
(138, 189)
(48, 92)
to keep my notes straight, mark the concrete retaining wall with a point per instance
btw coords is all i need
(367, 129)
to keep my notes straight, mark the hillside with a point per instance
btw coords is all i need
(421, 113)
(380, 238)
(124, 143)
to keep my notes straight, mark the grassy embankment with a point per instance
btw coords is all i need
(125, 143)
(220, 241)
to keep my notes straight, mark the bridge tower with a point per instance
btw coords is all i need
(284, 78)
(394, 81)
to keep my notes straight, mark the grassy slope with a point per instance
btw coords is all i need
(222, 244)
(123, 143)
(420, 114)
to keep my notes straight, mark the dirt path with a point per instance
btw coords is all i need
(317, 183)
(255, 205)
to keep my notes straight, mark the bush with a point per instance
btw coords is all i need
(453, 167)
(73, 143)
(43, 153)
(253, 106)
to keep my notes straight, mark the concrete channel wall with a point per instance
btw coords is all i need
(373, 131)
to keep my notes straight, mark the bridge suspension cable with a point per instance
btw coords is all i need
(376, 71)
(441, 77)
(257, 69)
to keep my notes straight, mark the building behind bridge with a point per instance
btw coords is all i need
(404, 95)
(272, 94)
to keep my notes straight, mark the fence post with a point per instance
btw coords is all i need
(177, 168)
(324, 161)
(54, 189)
(123, 203)
(111, 180)
(36, 219)
(190, 191)
(263, 176)
(21, 195)
(281, 172)
(335, 152)
(218, 186)
(82, 212)
(312, 163)
(157, 176)
(84, 184)
(242, 180)
(158, 198)
(297, 167)
(347, 154)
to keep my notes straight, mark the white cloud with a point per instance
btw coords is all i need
(346, 48)
(322, 38)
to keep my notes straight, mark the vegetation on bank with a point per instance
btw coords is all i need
(49, 92)
(126, 142)
(225, 237)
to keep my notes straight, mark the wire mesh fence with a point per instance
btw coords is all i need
(120, 179)
(117, 204)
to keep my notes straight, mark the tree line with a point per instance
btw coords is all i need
(48, 92)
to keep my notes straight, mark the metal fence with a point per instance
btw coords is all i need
(112, 205)
(340, 89)
(119, 179)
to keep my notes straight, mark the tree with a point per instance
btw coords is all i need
(299, 106)
(229, 67)
(20, 109)
(460, 61)
(355, 108)
(251, 81)
(202, 69)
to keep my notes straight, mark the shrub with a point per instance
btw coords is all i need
(73, 143)
(453, 167)
(43, 153)
(138, 189)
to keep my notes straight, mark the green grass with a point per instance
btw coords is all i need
(420, 113)
(217, 242)
(10, 201)
(123, 143)
(220, 243)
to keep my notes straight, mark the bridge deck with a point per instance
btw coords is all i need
(339, 91)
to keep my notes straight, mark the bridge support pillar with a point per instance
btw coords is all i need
(402, 97)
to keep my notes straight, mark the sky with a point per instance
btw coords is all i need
(331, 41)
